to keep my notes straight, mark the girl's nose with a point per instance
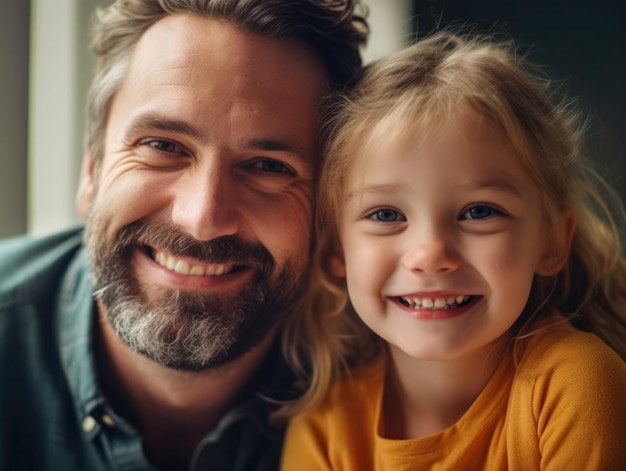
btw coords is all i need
(432, 257)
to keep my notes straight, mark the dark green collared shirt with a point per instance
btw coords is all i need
(53, 415)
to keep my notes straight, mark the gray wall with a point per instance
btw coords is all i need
(14, 44)
(61, 65)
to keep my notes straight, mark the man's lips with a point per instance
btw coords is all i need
(190, 266)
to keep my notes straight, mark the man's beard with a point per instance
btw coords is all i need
(182, 329)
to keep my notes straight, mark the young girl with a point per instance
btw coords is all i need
(456, 213)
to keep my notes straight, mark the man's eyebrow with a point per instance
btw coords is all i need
(277, 145)
(147, 122)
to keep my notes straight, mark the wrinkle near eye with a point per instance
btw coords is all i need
(165, 146)
(272, 166)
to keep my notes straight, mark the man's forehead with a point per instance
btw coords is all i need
(178, 39)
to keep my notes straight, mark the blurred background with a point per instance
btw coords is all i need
(45, 68)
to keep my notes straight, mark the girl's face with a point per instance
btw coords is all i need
(442, 235)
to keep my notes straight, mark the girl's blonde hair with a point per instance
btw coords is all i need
(423, 87)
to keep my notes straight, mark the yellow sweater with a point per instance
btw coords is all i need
(562, 409)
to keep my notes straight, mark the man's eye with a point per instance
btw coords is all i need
(165, 146)
(386, 215)
(480, 212)
(271, 166)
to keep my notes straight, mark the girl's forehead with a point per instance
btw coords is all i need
(464, 145)
(395, 134)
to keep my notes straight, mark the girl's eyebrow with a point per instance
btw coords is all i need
(495, 183)
(382, 188)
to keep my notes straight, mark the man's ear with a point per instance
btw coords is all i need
(557, 253)
(86, 185)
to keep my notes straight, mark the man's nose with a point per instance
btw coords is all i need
(432, 253)
(205, 204)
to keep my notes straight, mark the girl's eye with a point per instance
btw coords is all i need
(271, 166)
(386, 215)
(480, 212)
(165, 146)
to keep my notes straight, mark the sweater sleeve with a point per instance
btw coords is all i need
(578, 406)
(340, 433)
(304, 448)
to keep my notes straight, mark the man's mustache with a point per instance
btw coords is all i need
(168, 237)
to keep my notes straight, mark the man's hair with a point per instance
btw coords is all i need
(333, 29)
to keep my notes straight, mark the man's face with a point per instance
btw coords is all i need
(200, 213)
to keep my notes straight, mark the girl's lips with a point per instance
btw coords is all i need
(434, 308)
(434, 302)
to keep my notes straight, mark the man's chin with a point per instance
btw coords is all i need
(234, 352)
(189, 332)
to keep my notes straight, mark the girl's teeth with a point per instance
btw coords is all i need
(435, 303)
(439, 303)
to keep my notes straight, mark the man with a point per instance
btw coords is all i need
(154, 345)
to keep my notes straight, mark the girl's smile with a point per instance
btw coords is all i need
(434, 303)
(434, 307)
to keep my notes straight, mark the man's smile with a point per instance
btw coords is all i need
(158, 268)
(190, 266)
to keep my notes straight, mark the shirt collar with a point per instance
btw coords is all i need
(75, 323)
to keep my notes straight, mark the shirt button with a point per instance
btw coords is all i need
(89, 423)
(107, 420)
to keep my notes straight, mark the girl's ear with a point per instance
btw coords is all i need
(557, 254)
(337, 266)
(86, 185)
(331, 253)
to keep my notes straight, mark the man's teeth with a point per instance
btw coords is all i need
(185, 268)
(434, 303)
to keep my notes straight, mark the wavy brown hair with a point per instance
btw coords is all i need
(333, 29)
(423, 87)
